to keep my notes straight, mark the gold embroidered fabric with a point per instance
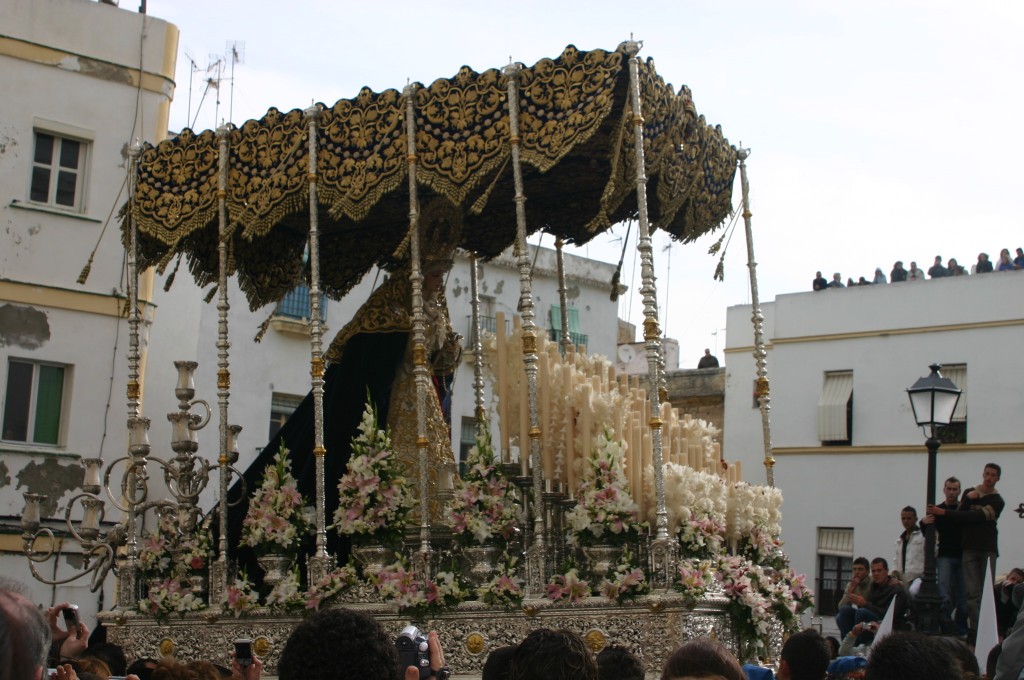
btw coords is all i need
(578, 166)
(387, 311)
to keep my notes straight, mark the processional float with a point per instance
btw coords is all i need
(569, 146)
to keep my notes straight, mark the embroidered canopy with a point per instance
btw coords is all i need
(577, 155)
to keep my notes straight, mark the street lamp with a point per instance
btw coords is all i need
(933, 399)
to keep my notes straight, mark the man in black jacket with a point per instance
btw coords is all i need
(977, 514)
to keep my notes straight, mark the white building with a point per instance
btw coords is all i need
(80, 81)
(849, 455)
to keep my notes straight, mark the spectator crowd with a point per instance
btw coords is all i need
(338, 643)
(899, 273)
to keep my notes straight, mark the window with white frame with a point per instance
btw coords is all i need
(34, 402)
(281, 407)
(58, 170)
(835, 409)
(835, 568)
(956, 431)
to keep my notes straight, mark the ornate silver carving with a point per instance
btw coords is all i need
(468, 634)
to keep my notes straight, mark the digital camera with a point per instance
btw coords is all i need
(413, 650)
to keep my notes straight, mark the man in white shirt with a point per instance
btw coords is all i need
(908, 559)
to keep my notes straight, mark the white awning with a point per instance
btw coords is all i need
(833, 541)
(832, 406)
(958, 374)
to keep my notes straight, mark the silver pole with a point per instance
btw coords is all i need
(478, 347)
(536, 553)
(218, 573)
(760, 354)
(566, 341)
(319, 563)
(662, 550)
(419, 351)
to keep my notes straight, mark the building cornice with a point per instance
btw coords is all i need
(63, 298)
(896, 448)
(882, 333)
(17, 48)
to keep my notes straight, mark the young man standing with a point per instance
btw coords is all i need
(908, 559)
(977, 515)
(948, 564)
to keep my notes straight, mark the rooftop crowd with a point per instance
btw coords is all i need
(937, 271)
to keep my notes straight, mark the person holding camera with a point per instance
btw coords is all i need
(336, 638)
(69, 642)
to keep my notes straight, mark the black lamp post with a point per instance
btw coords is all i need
(934, 400)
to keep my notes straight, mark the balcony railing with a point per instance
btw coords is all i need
(487, 323)
(577, 339)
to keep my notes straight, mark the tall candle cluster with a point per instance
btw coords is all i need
(579, 396)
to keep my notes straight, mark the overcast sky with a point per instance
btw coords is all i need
(880, 131)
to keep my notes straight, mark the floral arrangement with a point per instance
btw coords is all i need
(626, 583)
(287, 594)
(166, 553)
(398, 584)
(747, 588)
(605, 512)
(170, 596)
(375, 500)
(697, 505)
(567, 586)
(694, 577)
(240, 597)
(482, 509)
(759, 595)
(279, 517)
(505, 589)
(330, 586)
(755, 513)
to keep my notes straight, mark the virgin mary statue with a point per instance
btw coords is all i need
(371, 359)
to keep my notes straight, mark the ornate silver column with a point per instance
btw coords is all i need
(566, 341)
(535, 554)
(760, 354)
(478, 347)
(663, 548)
(421, 560)
(320, 561)
(128, 569)
(218, 570)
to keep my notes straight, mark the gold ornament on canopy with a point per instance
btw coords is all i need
(579, 168)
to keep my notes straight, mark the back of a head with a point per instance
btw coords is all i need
(702, 658)
(618, 663)
(24, 637)
(911, 656)
(90, 664)
(172, 669)
(332, 638)
(110, 654)
(547, 654)
(807, 655)
(497, 665)
(143, 668)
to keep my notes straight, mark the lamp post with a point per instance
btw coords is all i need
(933, 399)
